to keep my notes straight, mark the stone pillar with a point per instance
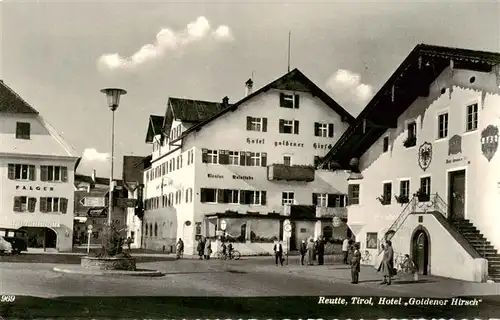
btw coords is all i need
(317, 229)
(248, 231)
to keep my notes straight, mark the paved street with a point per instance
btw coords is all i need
(249, 277)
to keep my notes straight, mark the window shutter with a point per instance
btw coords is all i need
(282, 99)
(249, 123)
(243, 158)
(316, 129)
(63, 205)
(349, 193)
(249, 197)
(243, 196)
(264, 124)
(17, 204)
(263, 160)
(43, 204)
(220, 195)
(296, 126)
(31, 173)
(44, 173)
(281, 126)
(227, 196)
(315, 199)
(263, 198)
(249, 158)
(204, 155)
(296, 101)
(330, 130)
(12, 171)
(225, 156)
(330, 203)
(31, 204)
(203, 195)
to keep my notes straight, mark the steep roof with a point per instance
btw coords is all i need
(293, 81)
(154, 127)
(410, 81)
(188, 110)
(11, 102)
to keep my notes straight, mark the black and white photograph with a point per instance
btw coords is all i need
(249, 159)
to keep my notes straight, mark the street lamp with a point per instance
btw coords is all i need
(113, 96)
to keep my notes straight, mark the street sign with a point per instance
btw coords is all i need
(336, 222)
(89, 231)
(126, 203)
(223, 225)
(93, 201)
(90, 227)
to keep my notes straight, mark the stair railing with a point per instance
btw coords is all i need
(407, 210)
(440, 205)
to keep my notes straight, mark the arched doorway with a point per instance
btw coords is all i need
(41, 237)
(420, 251)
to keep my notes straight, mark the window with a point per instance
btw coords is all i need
(23, 130)
(411, 139)
(208, 195)
(472, 112)
(190, 157)
(289, 126)
(252, 197)
(321, 200)
(21, 172)
(386, 144)
(209, 156)
(49, 204)
(287, 160)
(287, 197)
(386, 193)
(170, 199)
(234, 158)
(178, 162)
(289, 101)
(255, 159)
(228, 196)
(24, 204)
(404, 188)
(257, 124)
(425, 185)
(442, 125)
(54, 173)
(329, 200)
(353, 194)
(189, 195)
(163, 169)
(323, 130)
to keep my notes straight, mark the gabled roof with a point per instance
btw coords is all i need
(410, 81)
(293, 81)
(188, 110)
(11, 102)
(154, 127)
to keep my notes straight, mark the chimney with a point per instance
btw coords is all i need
(93, 175)
(249, 87)
(225, 101)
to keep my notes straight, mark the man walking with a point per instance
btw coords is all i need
(345, 249)
(355, 264)
(278, 253)
(321, 250)
(303, 251)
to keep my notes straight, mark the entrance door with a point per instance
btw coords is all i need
(293, 237)
(456, 195)
(421, 252)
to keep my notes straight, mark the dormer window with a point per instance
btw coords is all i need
(289, 101)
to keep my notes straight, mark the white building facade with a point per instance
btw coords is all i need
(37, 172)
(243, 164)
(429, 181)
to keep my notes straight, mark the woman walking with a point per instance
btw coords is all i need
(310, 252)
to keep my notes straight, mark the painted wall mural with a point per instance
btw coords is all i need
(455, 150)
(489, 141)
(425, 155)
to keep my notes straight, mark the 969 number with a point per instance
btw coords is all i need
(7, 298)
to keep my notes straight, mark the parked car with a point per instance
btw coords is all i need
(18, 238)
(5, 246)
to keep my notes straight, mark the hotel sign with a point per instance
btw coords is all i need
(322, 146)
(256, 141)
(34, 188)
(288, 144)
(39, 224)
(238, 177)
(215, 176)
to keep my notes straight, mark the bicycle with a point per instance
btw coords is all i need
(235, 255)
(366, 257)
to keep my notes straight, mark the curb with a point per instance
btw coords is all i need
(149, 273)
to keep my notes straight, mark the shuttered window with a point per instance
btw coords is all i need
(289, 100)
(353, 194)
(21, 172)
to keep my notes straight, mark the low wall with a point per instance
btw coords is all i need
(108, 263)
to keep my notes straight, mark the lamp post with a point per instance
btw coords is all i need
(113, 96)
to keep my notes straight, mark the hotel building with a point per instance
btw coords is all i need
(37, 170)
(428, 175)
(248, 166)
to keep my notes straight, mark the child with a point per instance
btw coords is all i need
(408, 267)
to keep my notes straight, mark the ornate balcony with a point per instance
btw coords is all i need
(290, 173)
(326, 212)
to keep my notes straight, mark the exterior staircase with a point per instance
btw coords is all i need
(482, 246)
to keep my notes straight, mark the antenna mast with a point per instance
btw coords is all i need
(289, 40)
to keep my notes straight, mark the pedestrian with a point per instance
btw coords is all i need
(278, 253)
(387, 265)
(303, 251)
(199, 247)
(355, 264)
(315, 250)
(208, 249)
(310, 252)
(408, 267)
(345, 249)
(321, 250)
(180, 248)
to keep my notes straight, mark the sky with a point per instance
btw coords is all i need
(58, 55)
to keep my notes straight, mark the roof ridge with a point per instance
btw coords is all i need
(197, 100)
(2, 83)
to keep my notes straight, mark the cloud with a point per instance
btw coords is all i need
(166, 40)
(347, 88)
(91, 154)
